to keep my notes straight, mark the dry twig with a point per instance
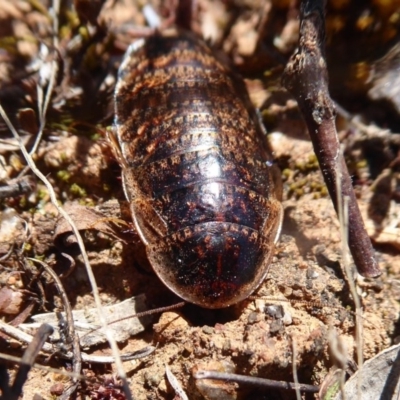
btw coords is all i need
(294, 368)
(71, 335)
(36, 344)
(306, 78)
(253, 381)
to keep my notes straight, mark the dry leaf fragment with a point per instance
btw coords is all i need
(90, 218)
(378, 378)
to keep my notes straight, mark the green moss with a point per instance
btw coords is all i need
(362, 164)
(63, 175)
(27, 247)
(316, 196)
(64, 125)
(38, 6)
(287, 173)
(42, 193)
(72, 19)
(63, 157)
(312, 159)
(268, 117)
(96, 136)
(296, 189)
(324, 191)
(310, 184)
(9, 44)
(268, 73)
(310, 165)
(314, 186)
(77, 191)
(87, 202)
(83, 31)
(92, 57)
(23, 202)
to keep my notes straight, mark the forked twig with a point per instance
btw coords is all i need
(306, 77)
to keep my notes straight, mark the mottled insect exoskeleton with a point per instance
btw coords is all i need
(203, 190)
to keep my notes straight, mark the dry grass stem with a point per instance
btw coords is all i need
(85, 257)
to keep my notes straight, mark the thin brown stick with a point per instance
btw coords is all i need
(63, 295)
(306, 78)
(253, 381)
(29, 358)
(184, 14)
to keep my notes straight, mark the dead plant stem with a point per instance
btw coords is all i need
(294, 368)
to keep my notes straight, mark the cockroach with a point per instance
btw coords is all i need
(204, 192)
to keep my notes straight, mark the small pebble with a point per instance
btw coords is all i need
(57, 389)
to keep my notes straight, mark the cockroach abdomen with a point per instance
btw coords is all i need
(198, 173)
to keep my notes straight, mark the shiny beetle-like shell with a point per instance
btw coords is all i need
(197, 171)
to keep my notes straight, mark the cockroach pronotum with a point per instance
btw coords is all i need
(197, 171)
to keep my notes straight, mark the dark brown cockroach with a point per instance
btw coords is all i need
(197, 171)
